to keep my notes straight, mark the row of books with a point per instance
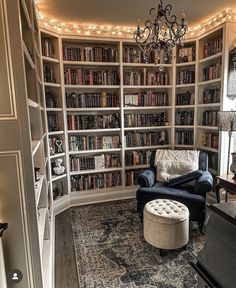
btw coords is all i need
(186, 77)
(90, 54)
(92, 100)
(83, 122)
(210, 139)
(96, 181)
(140, 139)
(94, 162)
(210, 118)
(133, 78)
(211, 95)
(77, 76)
(131, 177)
(48, 75)
(145, 120)
(186, 54)
(212, 72)
(146, 99)
(134, 158)
(213, 47)
(53, 124)
(90, 142)
(135, 55)
(184, 137)
(48, 48)
(52, 99)
(184, 118)
(157, 78)
(186, 98)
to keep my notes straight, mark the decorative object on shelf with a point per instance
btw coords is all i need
(57, 191)
(36, 174)
(161, 33)
(58, 169)
(59, 143)
(231, 93)
(3, 280)
(233, 165)
(227, 122)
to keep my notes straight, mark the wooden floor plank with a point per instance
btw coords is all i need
(65, 270)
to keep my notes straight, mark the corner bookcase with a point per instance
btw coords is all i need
(111, 110)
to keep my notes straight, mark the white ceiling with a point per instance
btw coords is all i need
(127, 12)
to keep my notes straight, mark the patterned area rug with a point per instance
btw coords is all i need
(111, 251)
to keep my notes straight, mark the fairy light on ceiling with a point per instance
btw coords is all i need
(93, 29)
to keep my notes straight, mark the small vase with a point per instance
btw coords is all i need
(233, 165)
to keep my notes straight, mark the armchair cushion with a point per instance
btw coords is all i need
(184, 178)
(146, 178)
(174, 163)
(204, 183)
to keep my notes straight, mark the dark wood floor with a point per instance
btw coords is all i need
(65, 268)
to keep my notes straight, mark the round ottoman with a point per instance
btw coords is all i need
(166, 224)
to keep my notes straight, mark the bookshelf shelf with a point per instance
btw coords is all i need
(146, 65)
(55, 133)
(137, 167)
(192, 63)
(56, 178)
(148, 147)
(146, 86)
(184, 126)
(57, 155)
(93, 131)
(92, 109)
(147, 108)
(185, 85)
(208, 105)
(94, 171)
(210, 58)
(95, 151)
(82, 63)
(184, 146)
(209, 82)
(54, 109)
(147, 128)
(184, 106)
(208, 127)
(91, 86)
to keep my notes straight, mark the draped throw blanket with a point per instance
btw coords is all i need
(174, 163)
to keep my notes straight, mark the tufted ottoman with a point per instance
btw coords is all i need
(166, 224)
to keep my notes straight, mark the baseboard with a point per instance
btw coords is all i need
(76, 199)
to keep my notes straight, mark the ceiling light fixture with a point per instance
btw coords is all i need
(161, 34)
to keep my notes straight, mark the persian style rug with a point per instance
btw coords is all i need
(111, 251)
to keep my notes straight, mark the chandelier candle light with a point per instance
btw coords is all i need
(161, 34)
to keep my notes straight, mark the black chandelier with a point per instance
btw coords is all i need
(161, 34)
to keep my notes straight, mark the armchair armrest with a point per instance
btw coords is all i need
(146, 178)
(175, 182)
(204, 184)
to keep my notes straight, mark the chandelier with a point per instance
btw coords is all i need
(161, 34)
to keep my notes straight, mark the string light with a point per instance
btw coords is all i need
(127, 32)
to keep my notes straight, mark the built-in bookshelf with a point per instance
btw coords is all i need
(111, 109)
(210, 90)
(30, 43)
